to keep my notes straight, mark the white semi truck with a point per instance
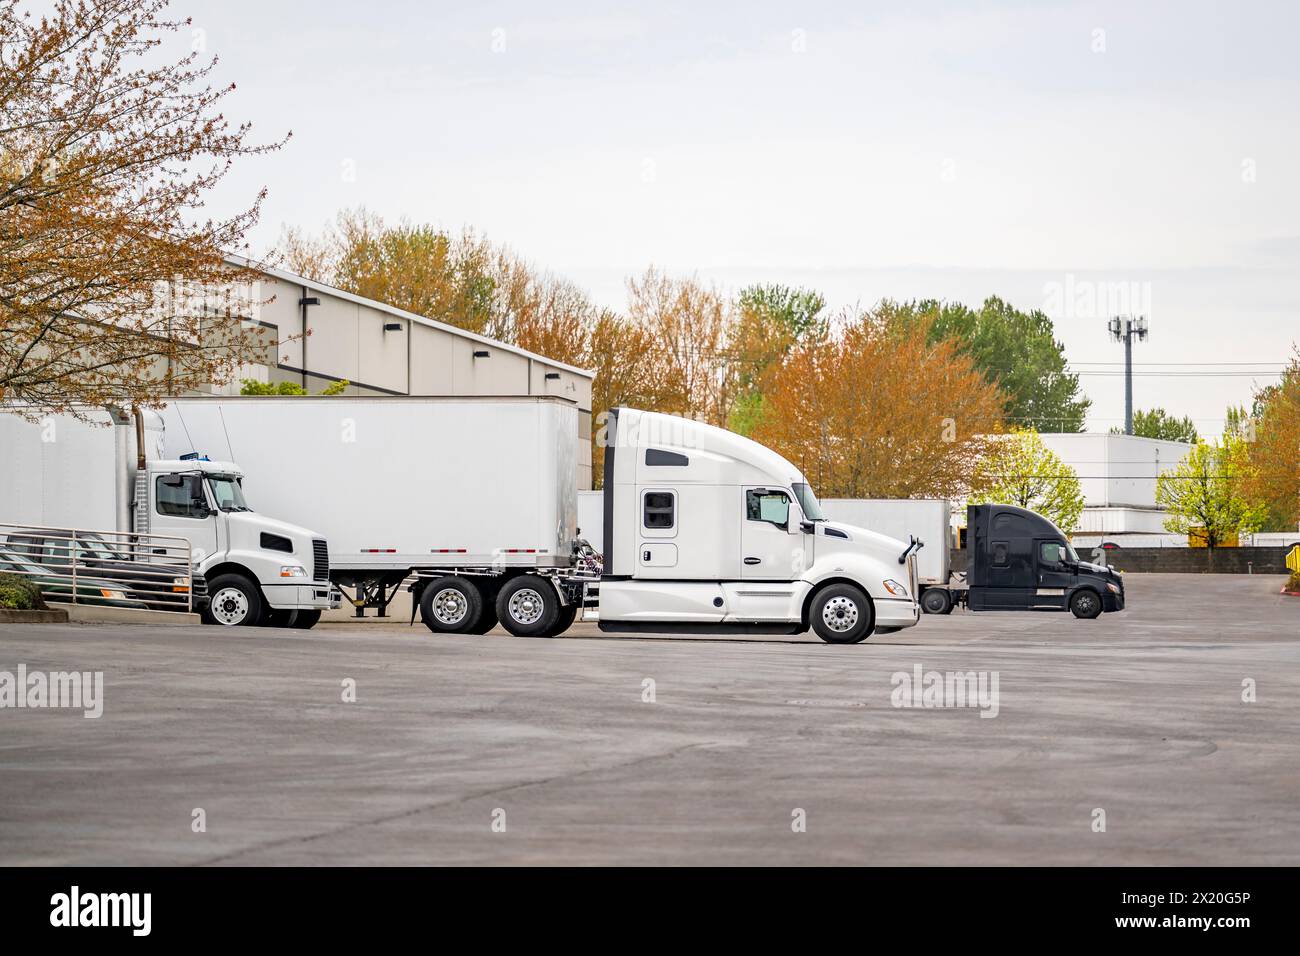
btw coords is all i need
(472, 504)
(109, 473)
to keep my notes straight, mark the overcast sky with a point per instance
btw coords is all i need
(1055, 154)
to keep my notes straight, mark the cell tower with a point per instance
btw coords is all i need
(1125, 329)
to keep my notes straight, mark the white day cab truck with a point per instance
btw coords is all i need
(471, 503)
(109, 473)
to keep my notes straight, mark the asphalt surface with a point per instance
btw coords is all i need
(1139, 714)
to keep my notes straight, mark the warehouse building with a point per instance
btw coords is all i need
(317, 335)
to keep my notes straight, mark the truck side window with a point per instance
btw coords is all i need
(1051, 552)
(772, 506)
(658, 510)
(1000, 553)
(183, 500)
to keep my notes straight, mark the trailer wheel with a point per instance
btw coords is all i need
(305, 620)
(936, 601)
(451, 605)
(235, 601)
(1085, 604)
(528, 606)
(842, 614)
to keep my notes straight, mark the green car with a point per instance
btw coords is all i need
(59, 588)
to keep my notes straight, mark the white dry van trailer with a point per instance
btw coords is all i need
(106, 471)
(473, 502)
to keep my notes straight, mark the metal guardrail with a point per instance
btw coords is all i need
(117, 569)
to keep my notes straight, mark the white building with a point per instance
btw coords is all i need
(1117, 474)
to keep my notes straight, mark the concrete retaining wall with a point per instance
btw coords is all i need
(1182, 560)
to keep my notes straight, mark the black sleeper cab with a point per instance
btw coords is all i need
(1020, 561)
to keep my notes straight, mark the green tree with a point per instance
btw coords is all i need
(1157, 423)
(1020, 470)
(771, 321)
(251, 386)
(1208, 492)
(1016, 350)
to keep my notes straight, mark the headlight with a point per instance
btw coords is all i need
(1114, 588)
(894, 588)
(180, 584)
(293, 571)
(115, 595)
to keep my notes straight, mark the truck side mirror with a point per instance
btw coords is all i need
(807, 527)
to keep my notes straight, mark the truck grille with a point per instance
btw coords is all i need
(321, 555)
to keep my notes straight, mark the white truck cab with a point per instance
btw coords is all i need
(707, 531)
(259, 569)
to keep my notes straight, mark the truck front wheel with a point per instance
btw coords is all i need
(842, 614)
(1085, 603)
(235, 601)
(528, 606)
(451, 605)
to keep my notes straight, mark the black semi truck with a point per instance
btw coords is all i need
(1020, 561)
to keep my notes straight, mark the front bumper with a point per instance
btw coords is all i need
(316, 596)
(897, 612)
(1110, 601)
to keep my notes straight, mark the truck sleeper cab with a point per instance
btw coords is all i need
(706, 531)
(1020, 561)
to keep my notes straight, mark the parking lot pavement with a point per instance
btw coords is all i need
(502, 750)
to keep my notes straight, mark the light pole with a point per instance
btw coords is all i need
(1125, 329)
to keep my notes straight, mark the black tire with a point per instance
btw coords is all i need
(528, 606)
(305, 620)
(235, 602)
(487, 618)
(842, 614)
(564, 620)
(936, 601)
(1085, 604)
(273, 617)
(451, 605)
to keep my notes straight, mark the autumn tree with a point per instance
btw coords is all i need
(1274, 453)
(876, 410)
(1209, 492)
(691, 324)
(1157, 423)
(114, 287)
(1020, 470)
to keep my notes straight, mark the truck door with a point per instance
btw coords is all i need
(768, 549)
(1009, 573)
(181, 507)
(1055, 574)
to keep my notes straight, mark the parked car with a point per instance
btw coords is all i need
(56, 586)
(103, 559)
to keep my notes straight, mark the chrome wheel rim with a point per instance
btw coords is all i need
(1085, 603)
(450, 606)
(230, 606)
(840, 614)
(526, 606)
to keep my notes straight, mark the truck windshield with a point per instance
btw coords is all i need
(228, 492)
(808, 501)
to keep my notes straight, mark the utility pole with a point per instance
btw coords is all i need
(1125, 329)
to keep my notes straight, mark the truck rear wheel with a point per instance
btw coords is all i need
(936, 601)
(564, 620)
(451, 605)
(528, 606)
(842, 614)
(235, 602)
(487, 618)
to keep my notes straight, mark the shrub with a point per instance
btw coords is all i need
(1294, 583)
(17, 593)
